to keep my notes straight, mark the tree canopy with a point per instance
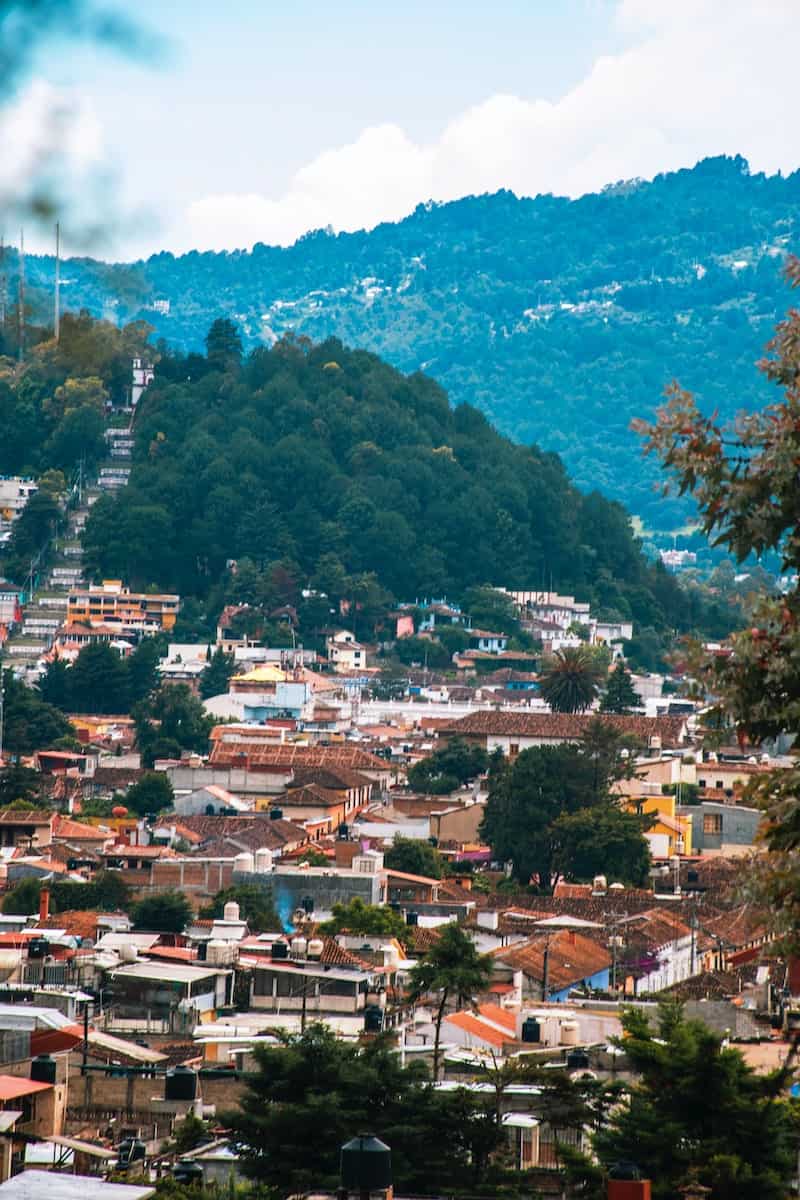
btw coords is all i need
(316, 463)
(448, 768)
(697, 1107)
(309, 1093)
(551, 812)
(164, 912)
(414, 856)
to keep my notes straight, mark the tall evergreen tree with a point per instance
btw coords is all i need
(619, 696)
(697, 1108)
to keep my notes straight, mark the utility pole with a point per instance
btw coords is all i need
(57, 298)
(3, 284)
(21, 313)
(546, 969)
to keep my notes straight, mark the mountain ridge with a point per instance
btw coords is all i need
(560, 319)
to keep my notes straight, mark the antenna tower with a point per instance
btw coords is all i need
(21, 313)
(57, 298)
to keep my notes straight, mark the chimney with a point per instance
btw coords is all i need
(571, 937)
(629, 1189)
(44, 904)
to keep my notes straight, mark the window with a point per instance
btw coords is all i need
(513, 749)
(712, 823)
(719, 784)
(701, 783)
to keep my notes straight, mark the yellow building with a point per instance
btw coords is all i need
(667, 823)
(116, 606)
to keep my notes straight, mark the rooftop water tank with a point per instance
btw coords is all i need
(128, 953)
(373, 1018)
(231, 911)
(130, 1150)
(187, 1172)
(314, 949)
(218, 952)
(366, 1165)
(280, 950)
(38, 947)
(244, 863)
(569, 1033)
(180, 1083)
(412, 918)
(599, 883)
(276, 814)
(264, 860)
(578, 1060)
(531, 1030)
(299, 947)
(43, 1069)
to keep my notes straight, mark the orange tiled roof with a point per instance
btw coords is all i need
(479, 1029)
(567, 726)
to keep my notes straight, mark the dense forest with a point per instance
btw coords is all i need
(318, 464)
(561, 320)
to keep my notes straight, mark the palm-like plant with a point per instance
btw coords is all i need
(453, 968)
(570, 680)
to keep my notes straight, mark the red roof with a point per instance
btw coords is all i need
(479, 1029)
(11, 1087)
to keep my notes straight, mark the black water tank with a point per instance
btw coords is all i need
(43, 1069)
(578, 1060)
(187, 1172)
(366, 1164)
(130, 1150)
(373, 1018)
(280, 950)
(180, 1084)
(531, 1030)
(276, 814)
(38, 947)
(412, 918)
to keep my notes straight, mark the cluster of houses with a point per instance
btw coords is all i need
(111, 1033)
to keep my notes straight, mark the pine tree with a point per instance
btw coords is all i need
(619, 696)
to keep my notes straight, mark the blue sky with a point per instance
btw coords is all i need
(259, 120)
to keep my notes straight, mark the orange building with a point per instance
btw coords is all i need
(117, 607)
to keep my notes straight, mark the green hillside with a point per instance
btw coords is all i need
(559, 319)
(323, 463)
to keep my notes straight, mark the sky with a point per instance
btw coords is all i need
(256, 121)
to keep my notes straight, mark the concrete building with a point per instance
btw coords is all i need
(721, 828)
(119, 608)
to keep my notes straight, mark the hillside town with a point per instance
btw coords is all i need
(311, 858)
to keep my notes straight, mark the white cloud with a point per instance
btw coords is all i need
(46, 125)
(700, 77)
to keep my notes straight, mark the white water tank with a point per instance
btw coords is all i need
(315, 948)
(569, 1033)
(600, 883)
(219, 953)
(231, 911)
(299, 947)
(264, 860)
(244, 864)
(128, 953)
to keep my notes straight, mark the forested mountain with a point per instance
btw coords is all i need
(559, 319)
(318, 464)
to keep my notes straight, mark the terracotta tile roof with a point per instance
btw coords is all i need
(12, 1088)
(310, 795)
(76, 923)
(69, 830)
(566, 726)
(263, 757)
(56, 1041)
(421, 939)
(31, 816)
(116, 777)
(333, 777)
(739, 927)
(478, 1029)
(249, 832)
(499, 1016)
(572, 958)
